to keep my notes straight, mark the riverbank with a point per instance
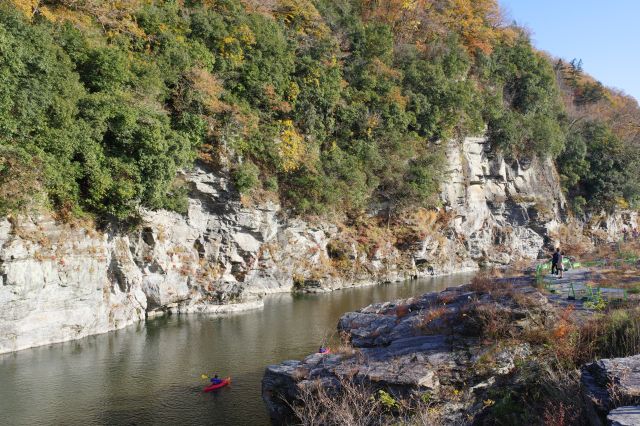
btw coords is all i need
(61, 281)
(496, 351)
(150, 372)
(64, 332)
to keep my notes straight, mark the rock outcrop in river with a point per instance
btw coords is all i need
(60, 282)
(440, 344)
(478, 354)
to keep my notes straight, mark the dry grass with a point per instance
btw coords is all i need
(446, 297)
(402, 311)
(345, 401)
(613, 251)
(492, 321)
(431, 315)
(343, 346)
(572, 343)
(613, 334)
(482, 283)
(341, 403)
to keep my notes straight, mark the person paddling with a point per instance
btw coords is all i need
(554, 261)
(215, 380)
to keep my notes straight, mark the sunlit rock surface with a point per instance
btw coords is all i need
(59, 282)
(434, 344)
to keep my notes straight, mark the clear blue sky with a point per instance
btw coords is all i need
(605, 34)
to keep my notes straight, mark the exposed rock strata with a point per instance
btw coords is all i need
(438, 344)
(624, 416)
(612, 390)
(510, 205)
(59, 283)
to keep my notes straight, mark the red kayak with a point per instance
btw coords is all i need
(325, 352)
(213, 387)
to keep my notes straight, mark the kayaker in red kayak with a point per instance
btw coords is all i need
(217, 383)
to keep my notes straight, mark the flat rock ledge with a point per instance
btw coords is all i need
(429, 345)
(624, 416)
(612, 390)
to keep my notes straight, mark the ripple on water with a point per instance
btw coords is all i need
(150, 374)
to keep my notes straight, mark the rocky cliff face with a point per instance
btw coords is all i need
(503, 210)
(59, 282)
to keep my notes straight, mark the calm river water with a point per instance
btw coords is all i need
(150, 373)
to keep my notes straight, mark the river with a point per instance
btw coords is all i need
(150, 373)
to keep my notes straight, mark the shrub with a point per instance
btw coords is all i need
(73, 109)
(271, 184)
(482, 283)
(531, 125)
(246, 177)
(402, 311)
(338, 250)
(344, 401)
(597, 169)
(20, 179)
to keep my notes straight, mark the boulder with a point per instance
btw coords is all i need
(611, 383)
(624, 416)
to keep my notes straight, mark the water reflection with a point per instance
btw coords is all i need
(150, 373)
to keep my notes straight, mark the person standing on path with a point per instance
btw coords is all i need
(560, 266)
(554, 261)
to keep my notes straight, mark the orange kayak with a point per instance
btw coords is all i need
(213, 387)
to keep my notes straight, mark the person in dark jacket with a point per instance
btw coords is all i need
(554, 261)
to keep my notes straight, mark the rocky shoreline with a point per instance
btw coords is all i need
(468, 350)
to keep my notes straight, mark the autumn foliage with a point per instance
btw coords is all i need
(332, 106)
(477, 22)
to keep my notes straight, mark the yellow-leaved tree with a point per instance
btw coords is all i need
(113, 16)
(476, 21)
(290, 147)
(302, 16)
(28, 7)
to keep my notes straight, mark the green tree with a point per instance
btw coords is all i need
(524, 114)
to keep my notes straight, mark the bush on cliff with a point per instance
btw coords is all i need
(102, 147)
(600, 168)
(532, 122)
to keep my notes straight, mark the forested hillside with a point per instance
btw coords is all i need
(330, 105)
